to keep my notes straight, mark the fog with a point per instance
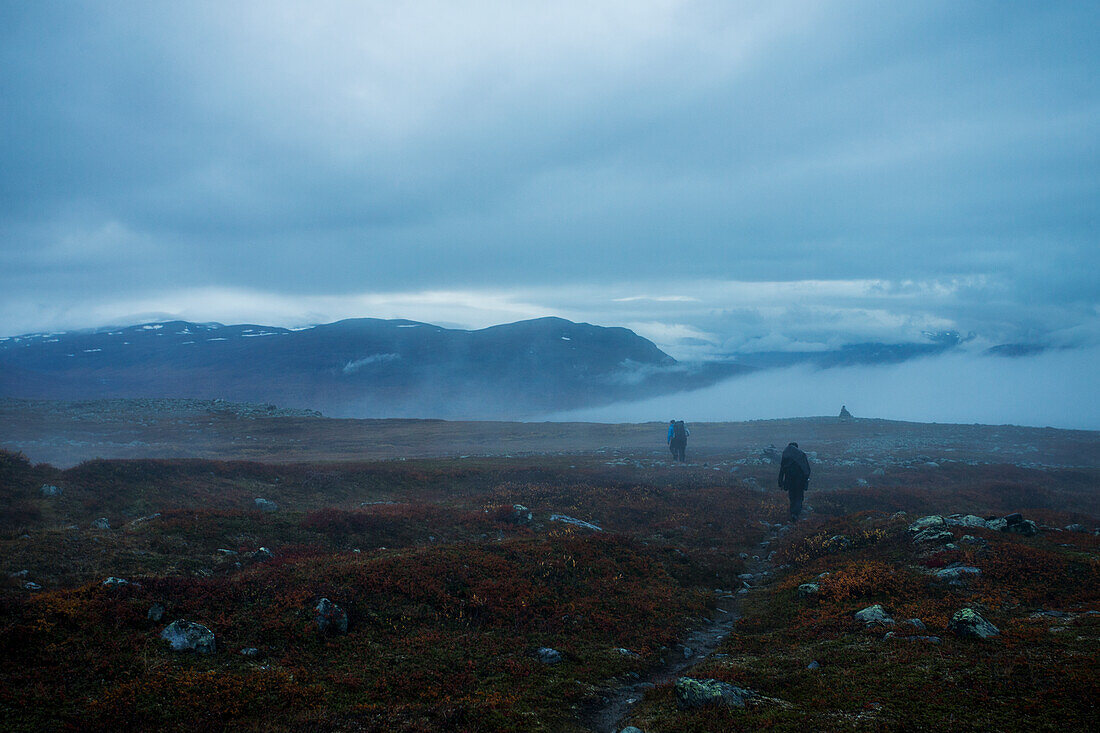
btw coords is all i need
(1057, 389)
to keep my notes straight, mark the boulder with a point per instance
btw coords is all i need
(808, 589)
(692, 693)
(521, 514)
(1076, 528)
(997, 524)
(31, 585)
(966, 520)
(155, 612)
(115, 582)
(917, 624)
(101, 523)
(631, 729)
(189, 636)
(772, 454)
(50, 490)
(932, 521)
(261, 555)
(932, 536)
(330, 618)
(969, 539)
(958, 574)
(265, 505)
(968, 622)
(873, 615)
(574, 522)
(813, 666)
(547, 655)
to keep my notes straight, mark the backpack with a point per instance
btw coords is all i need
(679, 432)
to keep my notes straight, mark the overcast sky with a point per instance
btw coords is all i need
(719, 176)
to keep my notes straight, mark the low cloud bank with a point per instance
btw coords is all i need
(1057, 389)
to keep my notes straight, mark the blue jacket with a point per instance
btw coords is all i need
(670, 426)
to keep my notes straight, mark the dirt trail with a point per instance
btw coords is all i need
(607, 715)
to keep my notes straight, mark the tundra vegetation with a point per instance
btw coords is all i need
(455, 585)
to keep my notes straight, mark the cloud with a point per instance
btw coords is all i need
(1056, 389)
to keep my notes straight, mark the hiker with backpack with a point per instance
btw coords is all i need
(678, 439)
(794, 476)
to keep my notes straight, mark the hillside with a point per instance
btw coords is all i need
(356, 368)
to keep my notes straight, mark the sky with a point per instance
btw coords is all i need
(722, 177)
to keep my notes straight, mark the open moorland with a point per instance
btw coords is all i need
(556, 578)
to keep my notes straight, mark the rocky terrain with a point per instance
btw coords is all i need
(943, 578)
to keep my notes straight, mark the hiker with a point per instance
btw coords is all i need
(678, 439)
(794, 476)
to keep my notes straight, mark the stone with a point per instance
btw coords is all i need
(330, 618)
(250, 652)
(839, 541)
(932, 521)
(917, 624)
(548, 655)
(933, 536)
(50, 490)
(969, 539)
(966, 520)
(772, 454)
(31, 585)
(878, 472)
(115, 582)
(261, 555)
(808, 589)
(873, 615)
(957, 574)
(265, 505)
(862, 482)
(574, 522)
(1076, 528)
(101, 523)
(968, 622)
(1026, 527)
(189, 636)
(997, 524)
(521, 514)
(692, 693)
(627, 653)
(155, 612)
(813, 666)
(631, 729)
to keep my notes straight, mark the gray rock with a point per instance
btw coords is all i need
(113, 581)
(521, 514)
(50, 490)
(31, 585)
(101, 523)
(1025, 527)
(627, 653)
(250, 651)
(631, 729)
(330, 618)
(574, 522)
(878, 472)
(189, 636)
(933, 536)
(692, 693)
(873, 615)
(813, 666)
(862, 482)
(265, 505)
(1076, 528)
(771, 454)
(958, 574)
(840, 541)
(891, 636)
(226, 553)
(808, 589)
(932, 521)
(261, 555)
(968, 622)
(967, 520)
(155, 613)
(997, 524)
(917, 624)
(969, 539)
(547, 655)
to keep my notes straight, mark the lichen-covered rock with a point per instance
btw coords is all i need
(155, 612)
(547, 655)
(966, 520)
(692, 693)
(50, 490)
(112, 581)
(838, 542)
(932, 521)
(968, 622)
(969, 539)
(808, 589)
(250, 652)
(574, 522)
(1076, 528)
(101, 523)
(261, 555)
(521, 514)
(330, 618)
(957, 574)
(873, 615)
(189, 636)
(631, 729)
(932, 536)
(999, 524)
(265, 505)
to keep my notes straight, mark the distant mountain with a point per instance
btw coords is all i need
(361, 367)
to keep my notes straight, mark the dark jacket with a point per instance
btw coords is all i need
(794, 468)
